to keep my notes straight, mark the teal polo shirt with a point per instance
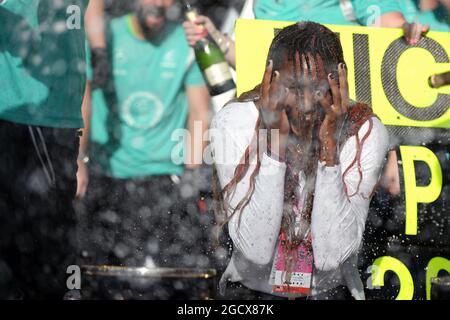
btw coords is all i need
(135, 121)
(320, 11)
(42, 62)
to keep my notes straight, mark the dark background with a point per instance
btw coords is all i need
(214, 9)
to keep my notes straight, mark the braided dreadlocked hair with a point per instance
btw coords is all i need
(309, 39)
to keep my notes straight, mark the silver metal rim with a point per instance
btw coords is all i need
(142, 272)
(441, 281)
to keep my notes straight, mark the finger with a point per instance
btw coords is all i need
(336, 95)
(209, 24)
(307, 93)
(190, 27)
(323, 85)
(266, 80)
(200, 20)
(283, 98)
(343, 87)
(205, 23)
(279, 103)
(275, 91)
(284, 116)
(187, 24)
(325, 96)
(425, 29)
(407, 31)
(191, 32)
(410, 37)
(326, 101)
(417, 33)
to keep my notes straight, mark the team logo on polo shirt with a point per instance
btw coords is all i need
(142, 110)
(168, 60)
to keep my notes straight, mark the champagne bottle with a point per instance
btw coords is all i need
(439, 80)
(215, 68)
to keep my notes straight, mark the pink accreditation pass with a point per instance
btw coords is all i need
(301, 275)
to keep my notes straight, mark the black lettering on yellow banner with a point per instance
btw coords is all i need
(383, 70)
(419, 194)
(389, 77)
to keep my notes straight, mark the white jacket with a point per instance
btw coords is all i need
(337, 222)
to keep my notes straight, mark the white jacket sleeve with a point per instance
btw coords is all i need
(255, 236)
(338, 221)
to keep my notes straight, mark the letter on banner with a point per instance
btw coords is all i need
(384, 264)
(416, 194)
(434, 266)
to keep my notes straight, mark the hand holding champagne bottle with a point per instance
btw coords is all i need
(213, 64)
(194, 31)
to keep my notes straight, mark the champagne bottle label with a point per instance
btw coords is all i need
(218, 74)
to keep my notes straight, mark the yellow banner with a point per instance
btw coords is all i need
(383, 70)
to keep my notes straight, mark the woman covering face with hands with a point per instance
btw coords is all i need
(304, 199)
(302, 96)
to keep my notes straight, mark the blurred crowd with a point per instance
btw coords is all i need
(143, 193)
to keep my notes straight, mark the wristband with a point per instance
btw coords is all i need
(83, 157)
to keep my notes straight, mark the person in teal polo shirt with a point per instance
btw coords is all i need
(41, 62)
(153, 82)
(42, 81)
(381, 13)
(323, 11)
(136, 155)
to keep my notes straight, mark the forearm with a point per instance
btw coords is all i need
(328, 153)
(86, 112)
(342, 196)
(255, 230)
(227, 45)
(198, 123)
(328, 143)
(392, 20)
(231, 55)
(336, 225)
(197, 127)
(95, 24)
